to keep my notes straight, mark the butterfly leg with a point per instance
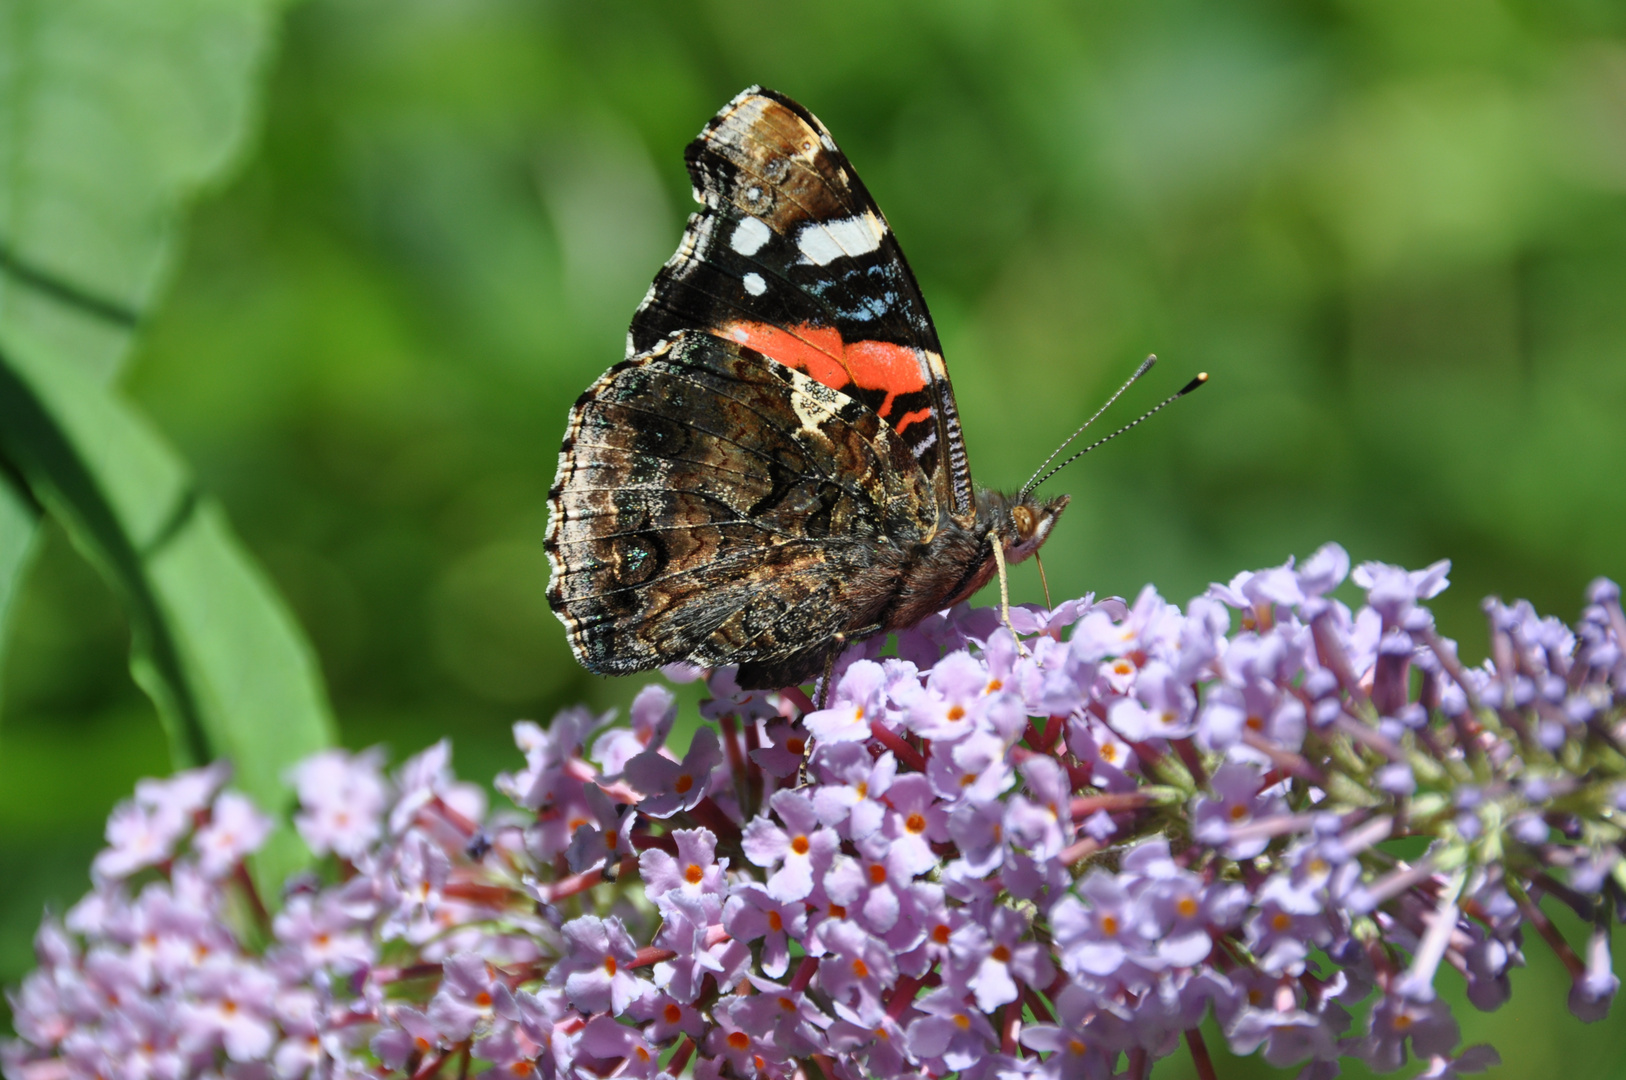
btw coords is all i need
(1005, 592)
(822, 701)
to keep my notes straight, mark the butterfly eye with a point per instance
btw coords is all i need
(1024, 521)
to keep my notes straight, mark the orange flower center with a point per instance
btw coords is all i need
(684, 783)
(962, 1021)
(838, 911)
(860, 969)
(693, 874)
(1001, 954)
(796, 745)
(799, 844)
(940, 933)
(739, 1040)
(1109, 925)
(672, 1014)
(915, 823)
(877, 874)
(956, 713)
(609, 965)
(775, 922)
(1187, 906)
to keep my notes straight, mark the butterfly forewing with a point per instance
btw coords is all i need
(791, 258)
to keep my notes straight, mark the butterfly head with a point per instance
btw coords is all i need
(1024, 522)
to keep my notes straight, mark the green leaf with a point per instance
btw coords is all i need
(213, 645)
(19, 531)
(112, 115)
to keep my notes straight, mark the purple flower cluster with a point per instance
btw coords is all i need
(1051, 857)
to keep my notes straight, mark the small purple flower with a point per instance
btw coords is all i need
(666, 1017)
(596, 968)
(1099, 937)
(319, 935)
(851, 787)
(1217, 821)
(603, 1037)
(686, 930)
(860, 698)
(695, 873)
(670, 787)
(653, 712)
(1162, 707)
(604, 839)
(794, 852)
(950, 1031)
(988, 959)
(466, 997)
(1393, 592)
(138, 836)
(856, 967)
(954, 700)
(236, 829)
(408, 1034)
(1043, 823)
(231, 1005)
(785, 751)
(751, 913)
(342, 799)
(1394, 1022)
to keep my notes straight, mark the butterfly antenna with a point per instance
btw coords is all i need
(1201, 378)
(1034, 481)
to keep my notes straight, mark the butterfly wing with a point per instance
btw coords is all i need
(715, 506)
(792, 258)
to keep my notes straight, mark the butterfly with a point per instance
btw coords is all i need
(777, 469)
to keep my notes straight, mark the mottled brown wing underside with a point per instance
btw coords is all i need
(715, 506)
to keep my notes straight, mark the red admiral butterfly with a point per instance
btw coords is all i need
(777, 468)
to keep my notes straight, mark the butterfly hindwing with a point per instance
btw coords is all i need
(715, 505)
(791, 258)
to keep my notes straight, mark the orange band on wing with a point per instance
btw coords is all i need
(820, 352)
(911, 418)
(815, 350)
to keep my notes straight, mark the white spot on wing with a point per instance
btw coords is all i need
(823, 242)
(749, 236)
(754, 284)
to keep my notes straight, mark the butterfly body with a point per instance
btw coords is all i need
(777, 468)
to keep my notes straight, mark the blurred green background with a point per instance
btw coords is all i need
(1393, 232)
